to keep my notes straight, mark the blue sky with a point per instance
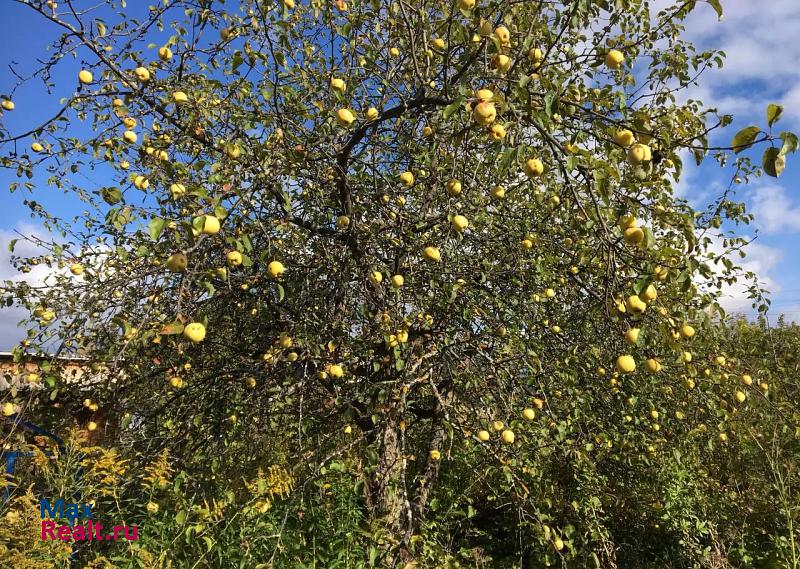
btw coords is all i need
(761, 68)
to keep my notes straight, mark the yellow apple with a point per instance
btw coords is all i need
(336, 371)
(466, 4)
(747, 380)
(233, 150)
(8, 409)
(372, 113)
(438, 43)
(130, 137)
(459, 222)
(143, 74)
(338, 84)
(345, 117)
(398, 281)
(454, 187)
(407, 179)
(164, 53)
(194, 332)
(484, 95)
(626, 221)
(435, 455)
(497, 132)
(177, 262)
(432, 254)
(498, 425)
(639, 153)
(234, 258)
(342, 222)
(635, 305)
(376, 277)
(484, 436)
(484, 113)
(275, 269)
(649, 294)
(614, 59)
(176, 382)
(632, 335)
(85, 77)
(653, 365)
(529, 414)
(180, 97)
(633, 235)
(498, 192)
(37, 147)
(211, 225)
(687, 331)
(533, 167)
(7, 104)
(508, 436)
(740, 396)
(503, 35)
(76, 269)
(502, 62)
(535, 54)
(624, 137)
(626, 364)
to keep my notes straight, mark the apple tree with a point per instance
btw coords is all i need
(426, 252)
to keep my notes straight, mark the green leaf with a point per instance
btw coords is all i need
(171, 329)
(111, 195)
(550, 103)
(773, 162)
(155, 227)
(774, 113)
(717, 5)
(11, 245)
(790, 143)
(453, 107)
(744, 138)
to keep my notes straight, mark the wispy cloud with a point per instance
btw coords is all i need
(10, 332)
(775, 211)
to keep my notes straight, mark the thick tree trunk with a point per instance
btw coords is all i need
(386, 489)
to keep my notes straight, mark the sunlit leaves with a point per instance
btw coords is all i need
(744, 138)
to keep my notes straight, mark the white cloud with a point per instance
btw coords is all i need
(774, 210)
(761, 60)
(10, 333)
(761, 260)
